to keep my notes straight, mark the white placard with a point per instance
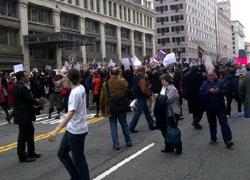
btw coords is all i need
(135, 61)
(111, 63)
(18, 68)
(126, 63)
(169, 59)
(208, 63)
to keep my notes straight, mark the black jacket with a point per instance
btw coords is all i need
(23, 104)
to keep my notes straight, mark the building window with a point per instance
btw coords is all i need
(148, 38)
(115, 10)
(8, 36)
(125, 13)
(69, 21)
(97, 6)
(94, 48)
(8, 8)
(129, 16)
(125, 33)
(111, 48)
(77, 2)
(125, 50)
(149, 52)
(38, 14)
(134, 16)
(92, 26)
(85, 4)
(138, 51)
(138, 36)
(70, 1)
(110, 30)
(120, 9)
(105, 6)
(110, 8)
(92, 4)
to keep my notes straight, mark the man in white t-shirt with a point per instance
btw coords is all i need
(76, 130)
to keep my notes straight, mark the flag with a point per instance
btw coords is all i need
(169, 59)
(136, 61)
(200, 52)
(160, 55)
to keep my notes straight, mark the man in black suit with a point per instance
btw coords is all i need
(24, 115)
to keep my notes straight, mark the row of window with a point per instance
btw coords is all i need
(176, 18)
(167, 29)
(164, 41)
(174, 7)
(175, 50)
(116, 10)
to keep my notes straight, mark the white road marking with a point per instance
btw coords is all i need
(3, 124)
(120, 164)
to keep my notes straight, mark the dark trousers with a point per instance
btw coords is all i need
(220, 114)
(77, 165)
(96, 100)
(141, 107)
(5, 108)
(229, 101)
(197, 116)
(25, 136)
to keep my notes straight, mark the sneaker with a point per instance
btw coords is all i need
(229, 144)
(133, 131)
(35, 155)
(197, 126)
(212, 142)
(116, 147)
(129, 144)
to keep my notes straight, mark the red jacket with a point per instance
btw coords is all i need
(10, 93)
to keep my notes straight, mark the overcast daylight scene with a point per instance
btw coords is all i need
(124, 90)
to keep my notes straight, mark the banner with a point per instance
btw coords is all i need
(169, 59)
(160, 55)
(126, 63)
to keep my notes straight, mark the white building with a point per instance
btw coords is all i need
(39, 32)
(184, 25)
(237, 37)
(224, 29)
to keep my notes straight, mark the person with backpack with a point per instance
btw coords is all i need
(114, 105)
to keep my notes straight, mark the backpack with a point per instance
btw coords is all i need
(117, 104)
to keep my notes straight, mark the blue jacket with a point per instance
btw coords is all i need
(210, 100)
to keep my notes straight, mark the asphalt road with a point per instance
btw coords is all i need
(143, 161)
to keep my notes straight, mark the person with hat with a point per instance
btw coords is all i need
(24, 115)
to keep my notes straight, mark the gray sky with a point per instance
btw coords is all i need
(241, 11)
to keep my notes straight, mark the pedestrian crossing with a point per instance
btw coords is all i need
(43, 119)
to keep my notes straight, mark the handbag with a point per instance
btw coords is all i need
(117, 104)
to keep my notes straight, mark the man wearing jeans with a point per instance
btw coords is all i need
(76, 130)
(117, 87)
(141, 93)
(212, 92)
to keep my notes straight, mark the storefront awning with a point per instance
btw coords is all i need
(61, 38)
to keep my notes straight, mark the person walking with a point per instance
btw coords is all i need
(212, 92)
(245, 92)
(76, 130)
(191, 85)
(167, 112)
(24, 115)
(97, 85)
(113, 88)
(141, 92)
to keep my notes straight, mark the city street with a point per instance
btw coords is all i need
(144, 160)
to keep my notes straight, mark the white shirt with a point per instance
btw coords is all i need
(77, 103)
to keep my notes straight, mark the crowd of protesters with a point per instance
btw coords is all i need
(156, 91)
